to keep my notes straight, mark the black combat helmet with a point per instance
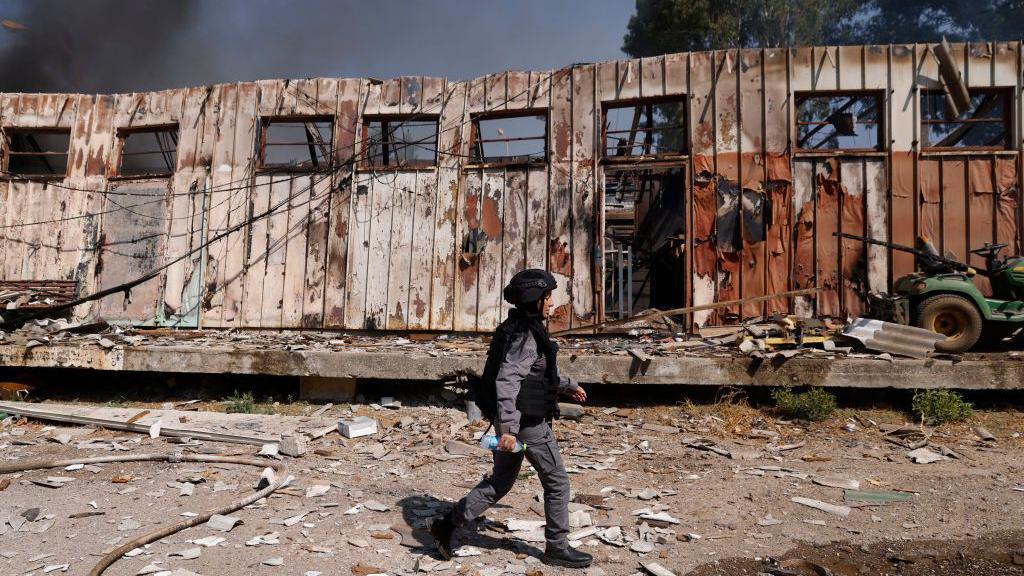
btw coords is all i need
(529, 285)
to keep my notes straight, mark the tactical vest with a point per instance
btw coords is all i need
(538, 396)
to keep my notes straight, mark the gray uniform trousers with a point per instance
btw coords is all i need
(547, 461)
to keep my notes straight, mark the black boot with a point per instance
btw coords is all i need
(568, 557)
(441, 529)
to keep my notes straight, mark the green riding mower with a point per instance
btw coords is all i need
(942, 297)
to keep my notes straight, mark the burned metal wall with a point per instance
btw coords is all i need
(430, 248)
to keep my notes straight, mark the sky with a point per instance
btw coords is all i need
(99, 46)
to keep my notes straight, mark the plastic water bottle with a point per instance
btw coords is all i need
(490, 442)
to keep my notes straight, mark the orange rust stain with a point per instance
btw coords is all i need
(559, 260)
(780, 168)
(705, 136)
(491, 219)
(561, 139)
(472, 221)
(419, 306)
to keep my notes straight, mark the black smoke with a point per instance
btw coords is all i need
(92, 45)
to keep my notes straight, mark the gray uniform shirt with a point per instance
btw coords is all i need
(523, 359)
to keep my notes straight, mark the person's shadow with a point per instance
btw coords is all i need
(420, 510)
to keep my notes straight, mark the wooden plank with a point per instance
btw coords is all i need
(825, 74)
(803, 252)
(469, 235)
(514, 238)
(412, 94)
(73, 248)
(955, 207)
(359, 225)
(584, 190)
(432, 96)
(1004, 64)
(319, 219)
(518, 87)
(391, 96)
(853, 253)
(727, 150)
(703, 285)
(345, 127)
(560, 259)
(777, 122)
(981, 210)
(630, 76)
(978, 60)
(540, 90)
(101, 141)
(181, 285)
(256, 256)
(276, 252)
(492, 202)
(403, 205)
(607, 81)
(133, 246)
(295, 249)
(851, 67)
(875, 74)
(452, 145)
(495, 91)
(753, 201)
(382, 203)
(536, 217)
(243, 167)
(421, 266)
(675, 74)
(826, 244)
(877, 224)
(930, 202)
(652, 71)
(902, 133)
(225, 102)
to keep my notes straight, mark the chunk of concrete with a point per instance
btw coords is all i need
(293, 445)
(358, 426)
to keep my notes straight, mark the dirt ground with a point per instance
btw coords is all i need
(726, 514)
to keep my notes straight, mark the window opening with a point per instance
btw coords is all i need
(400, 142)
(148, 151)
(42, 153)
(645, 129)
(839, 121)
(982, 125)
(519, 139)
(300, 144)
(645, 239)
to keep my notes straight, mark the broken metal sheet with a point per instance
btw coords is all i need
(893, 338)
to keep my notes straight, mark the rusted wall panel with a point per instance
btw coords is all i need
(313, 263)
(452, 147)
(560, 259)
(584, 187)
(336, 272)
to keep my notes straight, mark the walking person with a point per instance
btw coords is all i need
(518, 393)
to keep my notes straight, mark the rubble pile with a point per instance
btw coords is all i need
(656, 490)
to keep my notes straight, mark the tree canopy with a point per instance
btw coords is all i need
(663, 26)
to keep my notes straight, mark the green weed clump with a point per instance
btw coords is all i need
(936, 407)
(244, 403)
(815, 404)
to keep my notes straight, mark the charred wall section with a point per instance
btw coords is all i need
(431, 247)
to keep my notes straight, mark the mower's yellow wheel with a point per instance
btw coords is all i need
(955, 317)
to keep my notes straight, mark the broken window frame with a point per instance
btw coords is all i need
(122, 136)
(10, 131)
(1006, 120)
(476, 160)
(649, 130)
(880, 111)
(267, 121)
(368, 163)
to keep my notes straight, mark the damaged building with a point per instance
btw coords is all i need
(406, 204)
